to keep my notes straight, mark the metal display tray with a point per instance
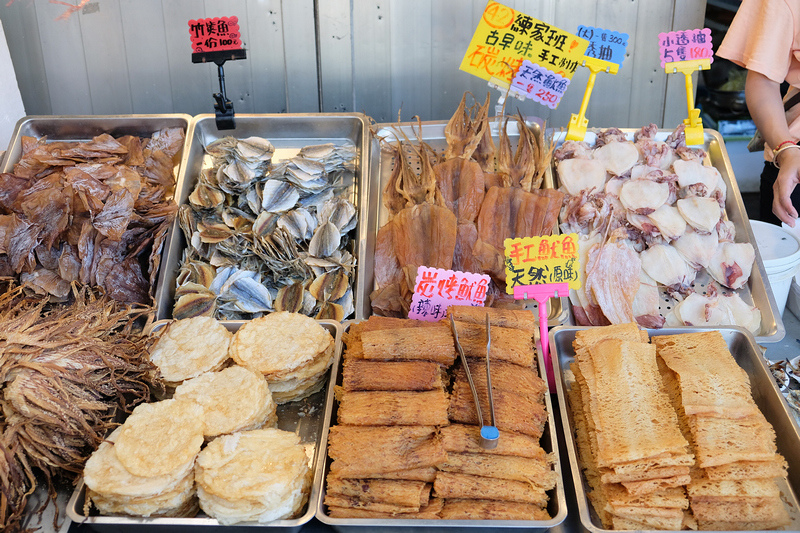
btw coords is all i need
(305, 417)
(745, 351)
(288, 133)
(557, 506)
(432, 133)
(757, 291)
(79, 128)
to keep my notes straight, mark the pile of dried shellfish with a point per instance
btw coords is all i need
(266, 235)
(787, 374)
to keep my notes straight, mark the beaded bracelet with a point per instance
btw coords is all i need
(779, 150)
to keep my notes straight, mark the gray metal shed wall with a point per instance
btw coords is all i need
(387, 59)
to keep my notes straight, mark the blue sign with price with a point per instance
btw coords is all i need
(604, 44)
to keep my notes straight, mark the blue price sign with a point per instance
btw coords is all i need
(604, 44)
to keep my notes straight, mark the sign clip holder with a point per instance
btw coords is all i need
(541, 293)
(694, 124)
(223, 106)
(576, 130)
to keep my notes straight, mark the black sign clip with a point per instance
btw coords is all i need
(223, 106)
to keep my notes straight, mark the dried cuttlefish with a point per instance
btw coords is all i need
(66, 371)
(95, 212)
(474, 198)
(260, 233)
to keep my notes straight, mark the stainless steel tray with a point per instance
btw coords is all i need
(757, 291)
(306, 417)
(431, 133)
(765, 393)
(557, 506)
(79, 128)
(83, 127)
(288, 133)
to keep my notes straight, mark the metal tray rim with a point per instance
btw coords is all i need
(313, 496)
(430, 523)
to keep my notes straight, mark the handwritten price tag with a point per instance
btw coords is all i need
(215, 34)
(604, 44)
(435, 289)
(505, 37)
(540, 84)
(537, 260)
(685, 46)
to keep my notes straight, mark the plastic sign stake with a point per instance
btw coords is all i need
(538, 268)
(605, 53)
(687, 52)
(542, 293)
(576, 130)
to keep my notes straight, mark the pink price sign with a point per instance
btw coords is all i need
(436, 289)
(685, 45)
(215, 34)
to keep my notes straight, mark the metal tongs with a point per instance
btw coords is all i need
(489, 434)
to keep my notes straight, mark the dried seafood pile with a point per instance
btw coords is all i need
(406, 439)
(89, 212)
(458, 209)
(787, 375)
(64, 372)
(651, 219)
(269, 236)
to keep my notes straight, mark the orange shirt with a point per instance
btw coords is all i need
(765, 37)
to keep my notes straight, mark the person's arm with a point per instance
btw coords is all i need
(766, 109)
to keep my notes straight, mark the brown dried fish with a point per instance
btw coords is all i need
(80, 200)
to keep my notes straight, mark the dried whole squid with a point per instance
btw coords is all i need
(456, 211)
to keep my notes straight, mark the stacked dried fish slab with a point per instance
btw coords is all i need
(405, 448)
(691, 450)
(386, 444)
(634, 456)
(93, 212)
(734, 485)
(266, 235)
(456, 211)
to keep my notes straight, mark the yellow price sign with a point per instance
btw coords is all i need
(537, 260)
(505, 37)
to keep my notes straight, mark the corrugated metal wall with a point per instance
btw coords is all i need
(380, 57)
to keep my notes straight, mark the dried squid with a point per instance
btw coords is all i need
(667, 204)
(66, 371)
(96, 212)
(265, 235)
(480, 194)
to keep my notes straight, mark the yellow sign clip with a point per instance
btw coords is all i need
(577, 123)
(694, 124)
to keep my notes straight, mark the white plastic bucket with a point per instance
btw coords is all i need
(781, 282)
(780, 251)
